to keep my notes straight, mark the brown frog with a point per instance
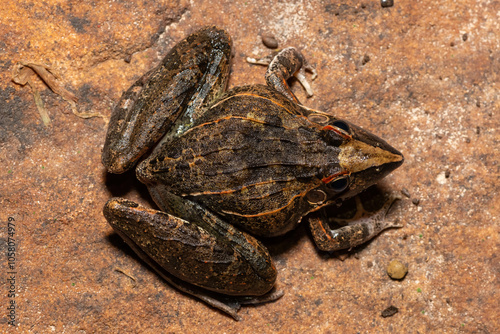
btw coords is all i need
(225, 166)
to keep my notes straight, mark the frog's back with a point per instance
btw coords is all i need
(250, 158)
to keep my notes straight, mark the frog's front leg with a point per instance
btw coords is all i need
(359, 230)
(282, 66)
(196, 257)
(169, 97)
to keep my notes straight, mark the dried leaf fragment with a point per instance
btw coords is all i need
(23, 74)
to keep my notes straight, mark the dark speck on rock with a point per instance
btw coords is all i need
(390, 311)
(365, 60)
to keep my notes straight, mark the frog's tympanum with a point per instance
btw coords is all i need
(225, 167)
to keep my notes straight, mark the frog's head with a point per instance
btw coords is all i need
(364, 158)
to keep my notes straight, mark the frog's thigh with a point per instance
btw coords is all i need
(171, 95)
(354, 234)
(186, 250)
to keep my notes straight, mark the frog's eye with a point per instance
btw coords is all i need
(341, 125)
(341, 128)
(339, 184)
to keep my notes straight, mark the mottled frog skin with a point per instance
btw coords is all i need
(225, 167)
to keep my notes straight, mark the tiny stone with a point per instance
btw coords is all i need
(396, 270)
(365, 60)
(390, 311)
(478, 104)
(415, 201)
(464, 37)
(387, 3)
(269, 41)
(405, 192)
(447, 173)
(467, 140)
(478, 130)
(452, 44)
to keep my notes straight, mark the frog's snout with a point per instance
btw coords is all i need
(357, 156)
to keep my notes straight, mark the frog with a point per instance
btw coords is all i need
(229, 167)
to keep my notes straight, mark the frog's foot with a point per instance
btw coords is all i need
(356, 232)
(284, 64)
(271, 296)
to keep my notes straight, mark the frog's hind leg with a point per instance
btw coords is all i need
(224, 270)
(227, 304)
(283, 65)
(356, 232)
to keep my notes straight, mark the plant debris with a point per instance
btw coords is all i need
(23, 73)
(390, 311)
(120, 270)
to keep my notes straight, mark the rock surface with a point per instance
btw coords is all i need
(422, 75)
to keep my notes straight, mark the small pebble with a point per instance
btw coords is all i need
(415, 201)
(390, 311)
(464, 37)
(269, 41)
(365, 60)
(447, 173)
(387, 3)
(405, 192)
(478, 130)
(396, 269)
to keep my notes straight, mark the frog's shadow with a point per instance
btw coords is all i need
(127, 185)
